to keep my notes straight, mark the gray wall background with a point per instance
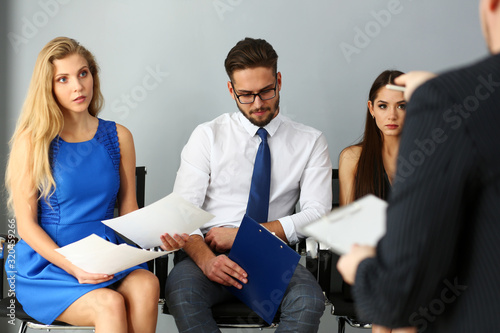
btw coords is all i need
(162, 60)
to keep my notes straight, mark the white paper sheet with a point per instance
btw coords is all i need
(96, 255)
(361, 222)
(172, 215)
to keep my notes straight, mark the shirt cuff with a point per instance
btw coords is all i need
(289, 229)
(197, 232)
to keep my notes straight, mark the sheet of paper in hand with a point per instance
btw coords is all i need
(94, 254)
(361, 222)
(172, 215)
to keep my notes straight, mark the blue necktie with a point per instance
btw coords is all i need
(258, 200)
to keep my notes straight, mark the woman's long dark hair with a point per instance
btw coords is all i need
(369, 176)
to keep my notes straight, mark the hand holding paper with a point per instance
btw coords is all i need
(145, 227)
(172, 215)
(348, 263)
(361, 222)
(96, 255)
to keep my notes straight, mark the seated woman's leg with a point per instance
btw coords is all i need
(141, 291)
(102, 308)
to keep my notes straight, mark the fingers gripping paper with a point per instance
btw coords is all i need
(171, 214)
(361, 222)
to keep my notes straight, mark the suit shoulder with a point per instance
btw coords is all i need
(464, 81)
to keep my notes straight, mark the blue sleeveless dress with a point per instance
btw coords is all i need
(88, 179)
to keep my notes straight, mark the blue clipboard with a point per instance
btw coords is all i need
(269, 263)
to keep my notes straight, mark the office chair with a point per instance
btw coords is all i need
(26, 320)
(337, 291)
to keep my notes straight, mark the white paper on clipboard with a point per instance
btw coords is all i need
(361, 222)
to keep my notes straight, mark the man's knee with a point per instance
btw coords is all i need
(181, 284)
(304, 293)
(306, 298)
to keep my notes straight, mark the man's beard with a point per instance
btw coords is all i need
(266, 120)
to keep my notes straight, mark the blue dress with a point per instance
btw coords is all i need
(87, 182)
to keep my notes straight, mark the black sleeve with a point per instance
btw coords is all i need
(417, 256)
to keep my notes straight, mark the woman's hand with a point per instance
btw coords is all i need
(89, 278)
(173, 243)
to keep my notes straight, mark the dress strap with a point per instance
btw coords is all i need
(108, 136)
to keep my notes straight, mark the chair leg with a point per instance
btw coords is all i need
(23, 327)
(341, 327)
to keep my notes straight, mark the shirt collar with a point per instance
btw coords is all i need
(271, 128)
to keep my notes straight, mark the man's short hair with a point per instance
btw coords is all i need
(251, 53)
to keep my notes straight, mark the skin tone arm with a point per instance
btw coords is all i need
(25, 209)
(220, 268)
(348, 161)
(127, 201)
(222, 239)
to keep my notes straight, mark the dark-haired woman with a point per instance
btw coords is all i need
(369, 166)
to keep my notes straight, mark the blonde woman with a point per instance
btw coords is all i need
(65, 172)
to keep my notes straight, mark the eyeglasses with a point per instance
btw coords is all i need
(264, 95)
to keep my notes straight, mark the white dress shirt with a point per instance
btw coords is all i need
(217, 165)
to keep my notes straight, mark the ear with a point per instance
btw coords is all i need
(230, 88)
(278, 77)
(370, 107)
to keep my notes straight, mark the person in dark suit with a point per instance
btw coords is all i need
(437, 267)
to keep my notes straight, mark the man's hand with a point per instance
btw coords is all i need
(348, 263)
(412, 81)
(221, 239)
(173, 243)
(223, 270)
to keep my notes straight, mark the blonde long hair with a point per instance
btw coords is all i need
(41, 119)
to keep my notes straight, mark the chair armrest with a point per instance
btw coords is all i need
(322, 263)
